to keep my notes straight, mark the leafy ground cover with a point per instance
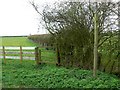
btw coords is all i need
(28, 74)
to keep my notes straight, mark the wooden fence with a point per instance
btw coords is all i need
(32, 53)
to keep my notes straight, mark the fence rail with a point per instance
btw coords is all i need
(20, 53)
(17, 48)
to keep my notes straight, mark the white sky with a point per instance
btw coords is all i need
(18, 17)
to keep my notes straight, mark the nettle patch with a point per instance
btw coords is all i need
(50, 76)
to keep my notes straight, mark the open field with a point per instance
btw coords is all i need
(16, 41)
(47, 55)
(28, 75)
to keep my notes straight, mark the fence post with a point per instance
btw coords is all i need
(4, 55)
(58, 56)
(21, 58)
(37, 58)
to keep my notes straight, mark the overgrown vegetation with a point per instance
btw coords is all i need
(28, 75)
(72, 26)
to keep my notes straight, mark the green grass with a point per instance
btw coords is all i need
(28, 74)
(47, 55)
(16, 41)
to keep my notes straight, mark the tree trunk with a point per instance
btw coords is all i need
(119, 37)
(112, 66)
(58, 55)
(95, 45)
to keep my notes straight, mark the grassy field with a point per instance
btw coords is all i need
(29, 75)
(47, 55)
(16, 41)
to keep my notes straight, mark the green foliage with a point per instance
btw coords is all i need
(75, 49)
(29, 75)
(110, 52)
(72, 26)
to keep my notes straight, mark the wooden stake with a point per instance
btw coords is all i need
(58, 56)
(21, 58)
(4, 55)
(37, 55)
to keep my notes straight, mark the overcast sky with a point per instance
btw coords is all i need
(18, 17)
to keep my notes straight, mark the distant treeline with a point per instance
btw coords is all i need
(14, 36)
(44, 39)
